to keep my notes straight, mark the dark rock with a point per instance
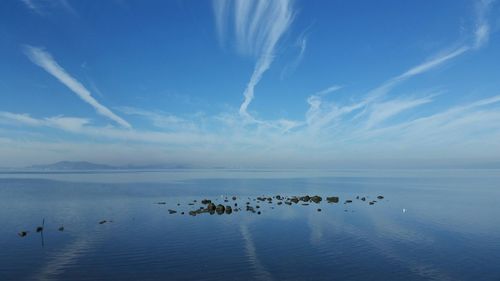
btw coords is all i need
(229, 210)
(39, 229)
(348, 201)
(236, 204)
(161, 203)
(191, 204)
(295, 200)
(380, 197)
(279, 203)
(206, 201)
(305, 204)
(22, 233)
(170, 211)
(357, 197)
(305, 198)
(333, 199)
(193, 213)
(363, 199)
(103, 222)
(258, 213)
(220, 209)
(211, 206)
(278, 197)
(371, 203)
(61, 228)
(316, 199)
(319, 210)
(234, 198)
(257, 206)
(225, 200)
(178, 204)
(288, 203)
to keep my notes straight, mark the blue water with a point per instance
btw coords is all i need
(431, 225)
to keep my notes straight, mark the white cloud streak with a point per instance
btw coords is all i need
(43, 59)
(258, 26)
(482, 29)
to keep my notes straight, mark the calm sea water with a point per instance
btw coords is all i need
(431, 225)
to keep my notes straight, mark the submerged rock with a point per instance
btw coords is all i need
(206, 201)
(22, 233)
(363, 199)
(332, 199)
(279, 203)
(347, 201)
(371, 203)
(380, 197)
(161, 203)
(288, 203)
(61, 228)
(103, 222)
(234, 198)
(170, 211)
(319, 210)
(294, 200)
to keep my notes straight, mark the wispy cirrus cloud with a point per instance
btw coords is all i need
(42, 7)
(257, 26)
(482, 28)
(45, 60)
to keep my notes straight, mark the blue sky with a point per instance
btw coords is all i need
(251, 83)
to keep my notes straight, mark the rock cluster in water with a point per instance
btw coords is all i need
(252, 205)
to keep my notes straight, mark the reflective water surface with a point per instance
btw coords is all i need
(430, 225)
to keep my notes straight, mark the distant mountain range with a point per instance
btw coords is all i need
(84, 165)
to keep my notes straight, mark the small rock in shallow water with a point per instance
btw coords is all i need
(305, 198)
(348, 201)
(61, 228)
(229, 210)
(234, 198)
(22, 233)
(279, 203)
(206, 201)
(319, 210)
(380, 197)
(258, 213)
(220, 209)
(316, 199)
(161, 203)
(211, 207)
(170, 211)
(371, 203)
(333, 199)
(363, 199)
(103, 222)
